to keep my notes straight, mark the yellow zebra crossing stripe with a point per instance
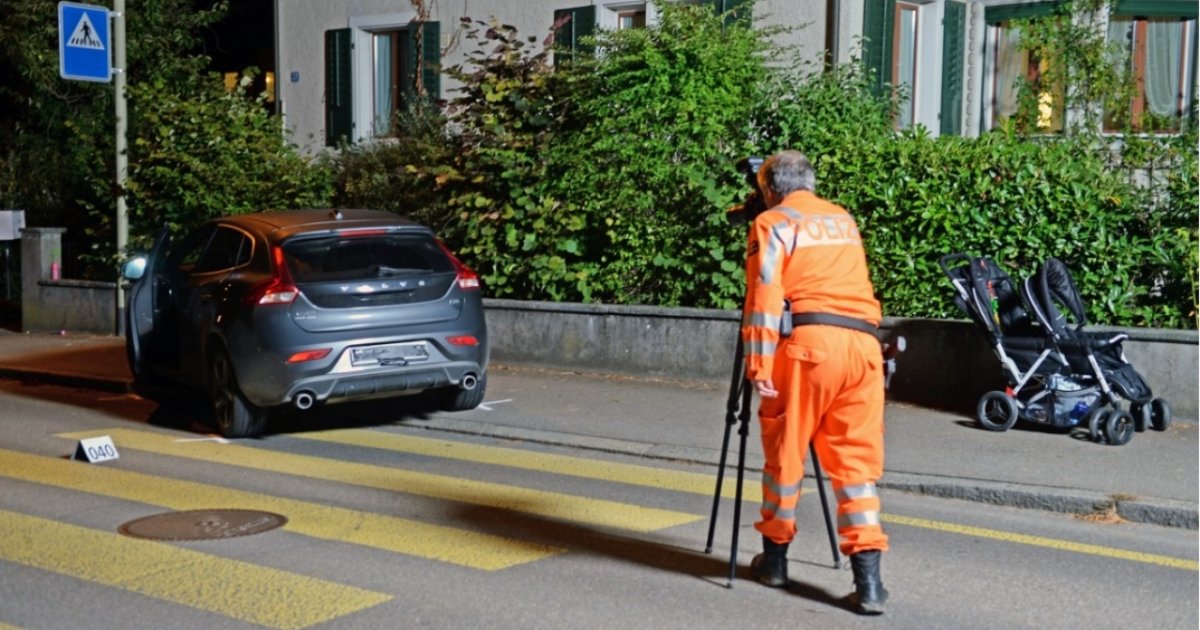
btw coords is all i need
(1039, 541)
(462, 547)
(630, 474)
(243, 591)
(555, 505)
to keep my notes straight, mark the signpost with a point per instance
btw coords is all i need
(89, 36)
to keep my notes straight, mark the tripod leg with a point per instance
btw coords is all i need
(736, 386)
(743, 432)
(837, 556)
(716, 502)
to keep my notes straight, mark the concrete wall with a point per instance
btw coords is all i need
(947, 364)
(49, 304)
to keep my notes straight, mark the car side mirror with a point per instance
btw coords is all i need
(134, 268)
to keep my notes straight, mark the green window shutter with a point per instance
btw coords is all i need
(1157, 8)
(576, 23)
(954, 22)
(739, 10)
(431, 46)
(878, 23)
(339, 114)
(422, 41)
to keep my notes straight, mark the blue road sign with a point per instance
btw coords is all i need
(84, 46)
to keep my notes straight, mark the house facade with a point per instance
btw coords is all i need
(344, 66)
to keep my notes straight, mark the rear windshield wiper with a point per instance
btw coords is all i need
(384, 271)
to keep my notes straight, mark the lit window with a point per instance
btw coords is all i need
(1016, 71)
(1159, 54)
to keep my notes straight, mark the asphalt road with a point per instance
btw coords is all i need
(393, 523)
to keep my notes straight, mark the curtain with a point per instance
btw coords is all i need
(1010, 67)
(383, 82)
(1164, 41)
(906, 64)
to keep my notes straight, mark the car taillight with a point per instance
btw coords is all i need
(463, 340)
(279, 289)
(467, 279)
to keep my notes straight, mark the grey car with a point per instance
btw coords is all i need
(304, 308)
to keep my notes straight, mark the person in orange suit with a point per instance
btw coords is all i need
(824, 382)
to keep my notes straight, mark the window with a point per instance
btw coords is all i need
(1016, 73)
(904, 61)
(1159, 53)
(391, 67)
(631, 19)
(372, 71)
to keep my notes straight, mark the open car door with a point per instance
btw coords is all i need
(143, 310)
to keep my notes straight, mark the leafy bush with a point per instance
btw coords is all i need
(203, 152)
(606, 179)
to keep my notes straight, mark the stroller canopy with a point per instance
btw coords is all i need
(1055, 301)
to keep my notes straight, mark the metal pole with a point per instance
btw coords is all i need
(118, 44)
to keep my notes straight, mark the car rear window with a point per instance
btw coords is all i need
(361, 257)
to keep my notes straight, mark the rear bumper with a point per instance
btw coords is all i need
(344, 387)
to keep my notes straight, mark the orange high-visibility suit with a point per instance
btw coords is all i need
(830, 379)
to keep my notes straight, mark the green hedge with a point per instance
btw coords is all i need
(607, 179)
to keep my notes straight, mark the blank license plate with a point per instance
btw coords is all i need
(399, 354)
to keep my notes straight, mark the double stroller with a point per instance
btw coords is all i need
(1058, 374)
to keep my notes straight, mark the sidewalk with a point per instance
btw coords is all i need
(1152, 479)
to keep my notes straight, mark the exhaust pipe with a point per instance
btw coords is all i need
(303, 400)
(469, 381)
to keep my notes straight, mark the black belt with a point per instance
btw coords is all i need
(830, 319)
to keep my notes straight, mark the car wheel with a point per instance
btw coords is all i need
(1160, 414)
(1119, 427)
(459, 399)
(235, 416)
(997, 411)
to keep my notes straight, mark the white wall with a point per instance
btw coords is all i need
(301, 26)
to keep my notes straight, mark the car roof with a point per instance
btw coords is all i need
(281, 224)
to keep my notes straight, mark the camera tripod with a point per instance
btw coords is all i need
(737, 411)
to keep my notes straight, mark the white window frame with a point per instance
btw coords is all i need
(362, 65)
(608, 13)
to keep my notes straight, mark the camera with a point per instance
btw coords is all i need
(754, 204)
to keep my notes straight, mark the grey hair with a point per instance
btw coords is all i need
(788, 171)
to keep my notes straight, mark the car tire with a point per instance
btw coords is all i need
(235, 416)
(459, 399)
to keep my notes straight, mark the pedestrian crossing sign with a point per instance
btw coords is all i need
(84, 49)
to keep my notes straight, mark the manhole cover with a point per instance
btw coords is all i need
(202, 524)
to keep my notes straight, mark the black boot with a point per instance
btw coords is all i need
(770, 566)
(869, 594)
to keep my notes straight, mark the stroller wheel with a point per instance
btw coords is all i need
(997, 411)
(1097, 420)
(1141, 413)
(1119, 427)
(1160, 414)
